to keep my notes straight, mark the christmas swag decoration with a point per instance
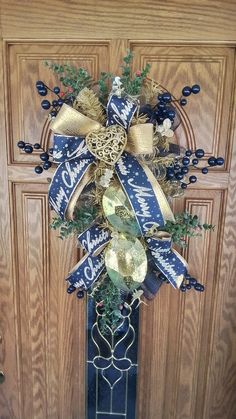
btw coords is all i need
(117, 171)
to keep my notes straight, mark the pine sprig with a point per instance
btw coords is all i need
(185, 225)
(83, 218)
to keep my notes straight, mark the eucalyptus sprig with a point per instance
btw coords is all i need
(71, 76)
(185, 225)
(133, 83)
(83, 218)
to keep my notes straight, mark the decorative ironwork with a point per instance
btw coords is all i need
(112, 365)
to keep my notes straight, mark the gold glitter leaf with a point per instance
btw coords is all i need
(87, 102)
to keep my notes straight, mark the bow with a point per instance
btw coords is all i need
(77, 146)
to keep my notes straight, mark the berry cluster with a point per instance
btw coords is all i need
(57, 103)
(164, 107)
(180, 168)
(191, 282)
(188, 283)
(72, 288)
(44, 156)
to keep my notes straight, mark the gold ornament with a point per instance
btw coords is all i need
(126, 262)
(107, 144)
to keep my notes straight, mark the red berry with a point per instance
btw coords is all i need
(138, 73)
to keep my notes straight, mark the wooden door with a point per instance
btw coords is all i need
(187, 349)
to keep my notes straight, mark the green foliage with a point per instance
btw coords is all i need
(132, 83)
(109, 297)
(83, 217)
(103, 85)
(71, 76)
(185, 225)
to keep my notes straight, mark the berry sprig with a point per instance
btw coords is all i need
(44, 156)
(188, 283)
(180, 168)
(56, 104)
(165, 106)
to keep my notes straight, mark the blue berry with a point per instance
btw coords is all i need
(178, 176)
(45, 104)
(37, 146)
(160, 119)
(199, 287)
(56, 90)
(186, 91)
(170, 174)
(184, 170)
(195, 89)
(162, 277)
(39, 84)
(54, 103)
(146, 109)
(184, 185)
(171, 114)
(183, 288)
(193, 179)
(38, 170)
(183, 102)
(188, 286)
(199, 153)
(50, 150)
(43, 91)
(60, 102)
(47, 165)
(188, 153)
(71, 289)
(44, 156)
(161, 105)
(205, 170)
(185, 161)
(166, 97)
(159, 97)
(80, 294)
(177, 166)
(21, 144)
(53, 114)
(28, 149)
(212, 161)
(192, 281)
(220, 161)
(195, 162)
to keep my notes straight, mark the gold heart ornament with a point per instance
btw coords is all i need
(107, 144)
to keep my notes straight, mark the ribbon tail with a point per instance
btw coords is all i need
(86, 271)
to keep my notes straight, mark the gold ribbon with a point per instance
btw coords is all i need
(140, 139)
(71, 122)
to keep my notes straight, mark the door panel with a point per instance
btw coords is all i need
(187, 347)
